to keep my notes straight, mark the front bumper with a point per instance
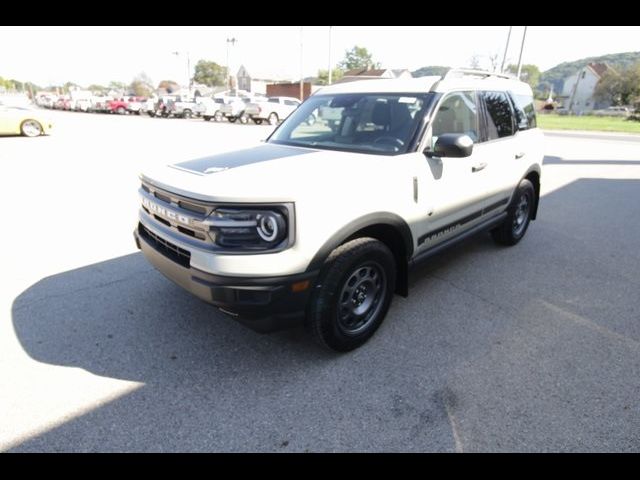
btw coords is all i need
(264, 304)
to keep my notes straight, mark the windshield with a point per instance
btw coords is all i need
(382, 123)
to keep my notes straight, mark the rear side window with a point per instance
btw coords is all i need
(525, 111)
(499, 115)
(291, 102)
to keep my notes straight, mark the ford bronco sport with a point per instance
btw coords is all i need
(321, 224)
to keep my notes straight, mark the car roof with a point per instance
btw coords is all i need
(454, 80)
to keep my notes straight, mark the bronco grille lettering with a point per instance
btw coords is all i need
(166, 213)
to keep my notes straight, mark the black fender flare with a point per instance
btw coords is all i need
(369, 220)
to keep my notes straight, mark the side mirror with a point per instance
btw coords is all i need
(454, 145)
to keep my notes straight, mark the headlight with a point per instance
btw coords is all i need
(248, 229)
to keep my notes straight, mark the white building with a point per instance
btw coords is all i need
(578, 89)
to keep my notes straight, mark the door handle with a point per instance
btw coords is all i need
(478, 167)
(519, 155)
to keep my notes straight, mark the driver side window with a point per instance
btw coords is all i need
(458, 113)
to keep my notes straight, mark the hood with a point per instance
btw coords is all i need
(265, 173)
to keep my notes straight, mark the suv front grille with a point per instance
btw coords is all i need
(172, 252)
(193, 209)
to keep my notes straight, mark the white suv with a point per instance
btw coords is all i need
(321, 224)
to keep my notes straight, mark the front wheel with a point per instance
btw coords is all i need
(232, 119)
(31, 128)
(519, 214)
(187, 114)
(257, 121)
(273, 118)
(206, 118)
(353, 295)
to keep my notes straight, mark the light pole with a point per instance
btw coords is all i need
(231, 41)
(506, 48)
(330, 69)
(524, 35)
(301, 69)
(189, 81)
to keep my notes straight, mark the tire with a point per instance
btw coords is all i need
(519, 214)
(353, 294)
(31, 128)
(206, 118)
(186, 114)
(273, 118)
(257, 121)
(232, 119)
(121, 111)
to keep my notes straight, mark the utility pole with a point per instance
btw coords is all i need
(190, 78)
(330, 68)
(231, 41)
(524, 35)
(506, 48)
(301, 69)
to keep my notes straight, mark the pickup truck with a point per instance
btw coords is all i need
(209, 108)
(271, 109)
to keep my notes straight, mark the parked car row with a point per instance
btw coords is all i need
(257, 109)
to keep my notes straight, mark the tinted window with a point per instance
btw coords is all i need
(458, 113)
(525, 111)
(274, 100)
(291, 102)
(499, 116)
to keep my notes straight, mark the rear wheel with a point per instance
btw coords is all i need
(206, 118)
(186, 114)
(31, 128)
(232, 119)
(121, 110)
(356, 286)
(257, 121)
(518, 215)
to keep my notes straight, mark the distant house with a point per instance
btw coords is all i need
(578, 89)
(256, 84)
(367, 74)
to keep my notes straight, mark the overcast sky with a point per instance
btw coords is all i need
(50, 55)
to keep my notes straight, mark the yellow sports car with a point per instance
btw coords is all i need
(23, 121)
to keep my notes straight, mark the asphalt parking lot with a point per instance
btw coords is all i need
(530, 348)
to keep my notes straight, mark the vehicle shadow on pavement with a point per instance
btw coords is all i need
(210, 384)
(529, 348)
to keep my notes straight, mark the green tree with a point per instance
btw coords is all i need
(115, 85)
(6, 84)
(357, 57)
(619, 88)
(67, 87)
(323, 76)
(169, 85)
(430, 70)
(97, 88)
(210, 73)
(142, 85)
(530, 74)
(18, 85)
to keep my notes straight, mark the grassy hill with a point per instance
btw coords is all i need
(557, 74)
